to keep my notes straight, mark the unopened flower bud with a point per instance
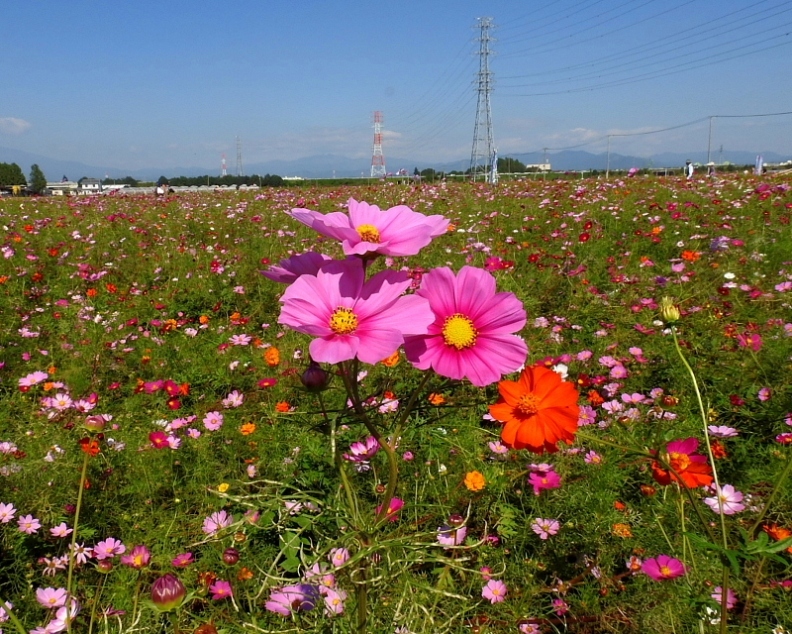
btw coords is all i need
(456, 520)
(230, 556)
(95, 422)
(105, 566)
(315, 379)
(167, 593)
(668, 311)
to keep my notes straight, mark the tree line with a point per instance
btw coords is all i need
(12, 178)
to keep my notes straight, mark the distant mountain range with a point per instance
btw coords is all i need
(330, 165)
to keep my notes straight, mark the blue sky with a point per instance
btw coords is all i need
(173, 83)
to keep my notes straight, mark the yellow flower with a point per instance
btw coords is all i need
(223, 487)
(474, 481)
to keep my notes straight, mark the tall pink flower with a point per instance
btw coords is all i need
(663, 567)
(288, 270)
(472, 334)
(397, 231)
(352, 317)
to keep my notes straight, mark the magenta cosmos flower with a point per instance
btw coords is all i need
(472, 334)
(663, 567)
(367, 229)
(288, 270)
(351, 317)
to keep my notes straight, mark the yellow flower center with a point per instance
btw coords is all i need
(679, 461)
(459, 331)
(665, 571)
(369, 233)
(528, 404)
(343, 321)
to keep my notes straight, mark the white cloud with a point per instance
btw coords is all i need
(12, 125)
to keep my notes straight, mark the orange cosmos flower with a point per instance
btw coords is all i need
(247, 429)
(89, 446)
(391, 361)
(474, 481)
(436, 399)
(538, 410)
(691, 256)
(283, 406)
(272, 357)
(686, 465)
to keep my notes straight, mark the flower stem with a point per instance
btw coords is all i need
(14, 619)
(70, 575)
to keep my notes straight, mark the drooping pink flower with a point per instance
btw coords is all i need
(398, 231)
(663, 567)
(288, 270)
(472, 334)
(351, 317)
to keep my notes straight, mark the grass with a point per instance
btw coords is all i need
(110, 295)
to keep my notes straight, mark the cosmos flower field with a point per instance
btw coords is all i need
(546, 406)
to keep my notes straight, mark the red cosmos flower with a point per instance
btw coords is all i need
(158, 439)
(89, 446)
(687, 467)
(584, 237)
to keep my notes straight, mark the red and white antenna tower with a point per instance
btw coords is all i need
(223, 170)
(377, 158)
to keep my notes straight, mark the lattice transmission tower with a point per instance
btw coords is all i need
(223, 169)
(377, 158)
(483, 153)
(239, 171)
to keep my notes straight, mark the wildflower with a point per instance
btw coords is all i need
(52, 597)
(223, 487)
(138, 558)
(362, 451)
(182, 560)
(663, 567)
(436, 399)
(722, 431)
(529, 628)
(234, 399)
(538, 410)
(158, 439)
(392, 361)
(560, 607)
(495, 591)
(622, 530)
(334, 601)
(61, 530)
(108, 548)
(731, 597)
(668, 311)
(728, 499)
(221, 590)
(634, 564)
(7, 512)
(288, 270)
(451, 535)
(314, 378)
(28, 524)
(167, 592)
(545, 527)
(272, 357)
(474, 481)
(338, 556)
(592, 457)
(544, 479)
(351, 317)
(394, 507)
(295, 598)
(89, 446)
(265, 383)
(472, 333)
(217, 522)
(247, 428)
(368, 231)
(213, 421)
(283, 407)
(687, 467)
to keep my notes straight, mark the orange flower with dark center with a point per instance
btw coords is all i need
(538, 410)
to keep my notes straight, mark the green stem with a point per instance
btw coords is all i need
(17, 623)
(77, 508)
(784, 475)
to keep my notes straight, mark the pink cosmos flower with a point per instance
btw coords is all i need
(221, 589)
(541, 479)
(729, 497)
(545, 527)
(213, 421)
(731, 597)
(182, 560)
(398, 231)
(338, 556)
(334, 601)
(495, 591)
(296, 598)
(352, 317)
(288, 270)
(7, 512)
(139, 558)
(396, 505)
(61, 530)
(722, 431)
(216, 522)
(663, 567)
(52, 597)
(472, 334)
(108, 548)
(28, 524)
